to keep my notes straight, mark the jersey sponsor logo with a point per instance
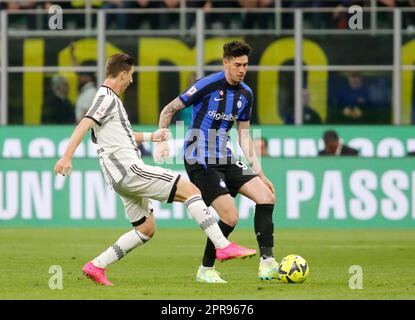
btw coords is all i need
(191, 91)
(222, 116)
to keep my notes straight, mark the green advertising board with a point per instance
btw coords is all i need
(310, 192)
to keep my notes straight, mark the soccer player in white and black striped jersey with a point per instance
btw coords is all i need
(135, 182)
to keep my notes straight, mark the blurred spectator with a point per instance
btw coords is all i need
(408, 18)
(86, 86)
(411, 154)
(333, 146)
(220, 20)
(195, 4)
(146, 20)
(170, 20)
(251, 20)
(261, 147)
(310, 116)
(311, 20)
(79, 19)
(26, 20)
(21, 4)
(118, 19)
(87, 91)
(320, 20)
(385, 19)
(57, 109)
(352, 104)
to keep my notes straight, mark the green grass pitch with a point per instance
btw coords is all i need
(165, 267)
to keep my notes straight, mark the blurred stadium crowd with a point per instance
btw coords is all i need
(354, 97)
(124, 20)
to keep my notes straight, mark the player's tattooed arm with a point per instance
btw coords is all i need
(169, 111)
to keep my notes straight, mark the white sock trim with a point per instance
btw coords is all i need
(200, 212)
(127, 242)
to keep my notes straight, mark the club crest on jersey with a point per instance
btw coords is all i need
(239, 104)
(191, 91)
(222, 183)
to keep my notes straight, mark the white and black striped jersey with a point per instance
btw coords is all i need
(113, 134)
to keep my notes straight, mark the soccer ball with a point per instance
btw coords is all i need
(293, 269)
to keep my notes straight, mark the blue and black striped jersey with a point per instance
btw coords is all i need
(216, 106)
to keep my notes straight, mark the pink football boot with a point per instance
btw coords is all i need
(96, 274)
(233, 251)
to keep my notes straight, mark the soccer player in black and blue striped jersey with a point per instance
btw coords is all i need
(218, 101)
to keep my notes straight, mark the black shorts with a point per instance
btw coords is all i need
(214, 180)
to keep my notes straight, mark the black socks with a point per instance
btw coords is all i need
(264, 229)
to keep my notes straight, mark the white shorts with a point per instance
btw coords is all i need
(140, 183)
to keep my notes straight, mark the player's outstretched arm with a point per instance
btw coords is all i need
(64, 164)
(247, 146)
(169, 111)
(166, 115)
(156, 136)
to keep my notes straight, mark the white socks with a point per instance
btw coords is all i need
(198, 210)
(127, 242)
(134, 238)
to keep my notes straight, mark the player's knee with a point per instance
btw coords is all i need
(148, 228)
(266, 198)
(270, 198)
(191, 190)
(194, 190)
(231, 220)
(186, 190)
(148, 231)
(229, 216)
(151, 233)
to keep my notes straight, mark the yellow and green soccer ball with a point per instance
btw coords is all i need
(293, 269)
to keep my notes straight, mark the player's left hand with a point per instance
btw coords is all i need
(267, 182)
(162, 134)
(63, 167)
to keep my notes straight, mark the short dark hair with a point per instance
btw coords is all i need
(117, 63)
(330, 136)
(236, 49)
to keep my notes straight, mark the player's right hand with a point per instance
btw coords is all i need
(161, 152)
(63, 167)
(161, 134)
